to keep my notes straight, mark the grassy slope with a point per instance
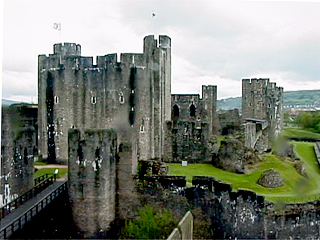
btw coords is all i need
(296, 187)
(62, 171)
(297, 132)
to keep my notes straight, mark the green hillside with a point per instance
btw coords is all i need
(229, 103)
(296, 188)
(302, 97)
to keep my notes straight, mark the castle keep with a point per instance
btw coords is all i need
(132, 96)
(103, 118)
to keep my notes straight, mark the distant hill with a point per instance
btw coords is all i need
(305, 97)
(229, 103)
(6, 102)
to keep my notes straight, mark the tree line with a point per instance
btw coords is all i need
(309, 120)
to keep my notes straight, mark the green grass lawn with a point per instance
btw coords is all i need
(62, 171)
(39, 163)
(296, 187)
(298, 132)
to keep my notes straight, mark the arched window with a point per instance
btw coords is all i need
(142, 126)
(192, 110)
(121, 99)
(93, 100)
(56, 99)
(175, 111)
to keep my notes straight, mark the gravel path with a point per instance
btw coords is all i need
(50, 166)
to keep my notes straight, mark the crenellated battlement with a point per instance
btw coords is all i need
(67, 49)
(256, 81)
(132, 58)
(151, 43)
(110, 93)
(68, 55)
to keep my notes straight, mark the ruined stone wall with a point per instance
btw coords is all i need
(92, 174)
(245, 215)
(193, 121)
(275, 108)
(18, 147)
(126, 194)
(229, 121)
(233, 214)
(128, 95)
(250, 135)
(262, 99)
(209, 108)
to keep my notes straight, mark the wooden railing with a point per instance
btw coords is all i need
(41, 183)
(20, 221)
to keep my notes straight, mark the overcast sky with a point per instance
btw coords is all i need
(213, 42)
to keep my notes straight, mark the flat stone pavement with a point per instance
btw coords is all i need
(20, 211)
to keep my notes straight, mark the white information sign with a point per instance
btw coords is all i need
(184, 163)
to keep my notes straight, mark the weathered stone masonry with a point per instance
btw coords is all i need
(92, 176)
(263, 100)
(18, 147)
(132, 96)
(194, 120)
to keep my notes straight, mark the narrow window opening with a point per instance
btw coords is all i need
(142, 126)
(25, 157)
(80, 155)
(192, 111)
(93, 100)
(175, 111)
(121, 99)
(131, 117)
(56, 99)
(97, 158)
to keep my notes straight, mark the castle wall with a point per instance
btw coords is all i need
(125, 192)
(250, 135)
(229, 121)
(92, 174)
(193, 121)
(74, 93)
(262, 99)
(18, 147)
(132, 96)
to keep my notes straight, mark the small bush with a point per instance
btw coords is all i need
(151, 224)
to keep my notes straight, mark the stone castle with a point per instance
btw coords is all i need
(132, 96)
(102, 119)
(18, 148)
(262, 112)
